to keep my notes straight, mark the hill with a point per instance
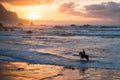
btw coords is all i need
(9, 17)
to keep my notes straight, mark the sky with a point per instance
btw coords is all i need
(98, 12)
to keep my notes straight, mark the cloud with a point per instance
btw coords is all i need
(28, 2)
(106, 10)
(69, 8)
(109, 10)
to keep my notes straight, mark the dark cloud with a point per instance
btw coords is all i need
(7, 0)
(28, 2)
(106, 10)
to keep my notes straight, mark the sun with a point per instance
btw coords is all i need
(33, 16)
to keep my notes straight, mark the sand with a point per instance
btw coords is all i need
(26, 71)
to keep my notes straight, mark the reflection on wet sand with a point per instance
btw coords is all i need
(25, 71)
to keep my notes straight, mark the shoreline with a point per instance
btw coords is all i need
(65, 66)
(26, 71)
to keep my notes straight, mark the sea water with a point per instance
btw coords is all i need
(61, 46)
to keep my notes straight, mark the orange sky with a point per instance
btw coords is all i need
(66, 11)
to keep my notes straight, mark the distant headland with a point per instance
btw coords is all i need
(9, 17)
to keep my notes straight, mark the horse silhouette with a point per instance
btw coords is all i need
(83, 55)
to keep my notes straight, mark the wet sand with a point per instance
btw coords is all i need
(25, 71)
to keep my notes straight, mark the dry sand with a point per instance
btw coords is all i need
(25, 71)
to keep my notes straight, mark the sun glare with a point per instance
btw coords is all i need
(33, 16)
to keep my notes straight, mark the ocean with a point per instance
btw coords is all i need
(61, 46)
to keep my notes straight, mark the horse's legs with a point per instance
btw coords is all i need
(87, 58)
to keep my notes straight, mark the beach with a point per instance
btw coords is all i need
(59, 39)
(53, 54)
(25, 71)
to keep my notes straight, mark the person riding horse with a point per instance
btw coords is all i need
(83, 55)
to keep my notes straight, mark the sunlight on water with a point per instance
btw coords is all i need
(49, 50)
(100, 44)
(26, 71)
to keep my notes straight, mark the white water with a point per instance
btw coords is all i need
(60, 46)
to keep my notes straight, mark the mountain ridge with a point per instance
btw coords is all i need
(9, 17)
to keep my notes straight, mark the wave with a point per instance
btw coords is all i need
(52, 59)
(63, 39)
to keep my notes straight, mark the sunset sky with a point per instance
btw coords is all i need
(66, 11)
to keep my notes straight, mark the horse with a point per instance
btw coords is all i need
(83, 55)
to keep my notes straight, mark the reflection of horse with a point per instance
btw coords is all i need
(82, 70)
(83, 55)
